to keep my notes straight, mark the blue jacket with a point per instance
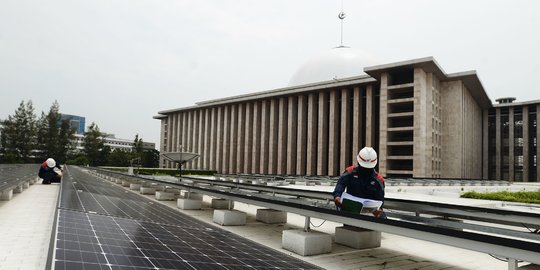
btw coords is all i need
(361, 182)
(46, 173)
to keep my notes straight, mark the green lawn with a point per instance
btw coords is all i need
(519, 196)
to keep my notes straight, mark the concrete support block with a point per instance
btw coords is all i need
(126, 183)
(135, 186)
(164, 196)
(172, 190)
(306, 243)
(26, 185)
(18, 189)
(34, 180)
(271, 216)
(148, 190)
(229, 217)
(118, 181)
(192, 195)
(358, 238)
(222, 203)
(189, 204)
(6, 195)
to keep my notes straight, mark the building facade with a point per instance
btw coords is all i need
(113, 143)
(423, 122)
(77, 123)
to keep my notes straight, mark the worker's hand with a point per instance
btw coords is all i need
(378, 213)
(337, 201)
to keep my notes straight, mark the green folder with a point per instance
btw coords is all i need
(351, 206)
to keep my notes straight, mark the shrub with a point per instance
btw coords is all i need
(519, 196)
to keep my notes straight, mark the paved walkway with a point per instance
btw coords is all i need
(26, 223)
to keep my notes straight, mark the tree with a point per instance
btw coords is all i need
(93, 145)
(119, 158)
(66, 138)
(53, 140)
(150, 158)
(18, 134)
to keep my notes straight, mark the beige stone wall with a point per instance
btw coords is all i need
(383, 125)
(452, 138)
(472, 137)
(421, 151)
(462, 132)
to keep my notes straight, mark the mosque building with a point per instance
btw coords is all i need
(422, 121)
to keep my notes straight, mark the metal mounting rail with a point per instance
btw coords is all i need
(499, 216)
(487, 239)
(508, 217)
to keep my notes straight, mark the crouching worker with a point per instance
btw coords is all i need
(50, 171)
(362, 181)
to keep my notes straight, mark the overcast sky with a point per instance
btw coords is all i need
(119, 62)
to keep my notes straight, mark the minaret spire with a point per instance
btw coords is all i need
(341, 16)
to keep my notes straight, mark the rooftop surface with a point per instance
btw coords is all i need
(27, 222)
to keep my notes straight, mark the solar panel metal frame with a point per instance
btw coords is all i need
(60, 225)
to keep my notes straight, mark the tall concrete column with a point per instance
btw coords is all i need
(265, 136)
(257, 149)
(273, 138)
(357, 120)
(420, 115)
(281, 160)
(292, 129)
(498, 143)
(213, 138)
(334, 124)
(233, 141)
(169, 137)
(537, 144)
(200, 139)
(185, 132)
(248, 138)
(485, 145)
(241, 124)
(219, 141)
(173, 131)
(301, 139)
(178, 131)
(162, 161)
(370, 123)
(322, 135)
(191, 136)
(383, 123)
(511, 142)
(206, 140)
(226, 140)
(312, 120)
(345, 159)
(526, 153)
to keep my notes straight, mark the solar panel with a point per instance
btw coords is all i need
(83, 192)
(92, 241)
(117, 238)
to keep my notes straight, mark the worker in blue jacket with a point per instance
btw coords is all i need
(50, 171)
(362, 180)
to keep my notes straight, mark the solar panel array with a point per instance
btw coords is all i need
(101, 226)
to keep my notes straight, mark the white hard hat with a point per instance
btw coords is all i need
(367, 157)
(50, 163)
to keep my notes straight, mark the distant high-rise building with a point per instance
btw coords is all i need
(76, 122)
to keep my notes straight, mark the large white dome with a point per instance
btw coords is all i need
(336, 63)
